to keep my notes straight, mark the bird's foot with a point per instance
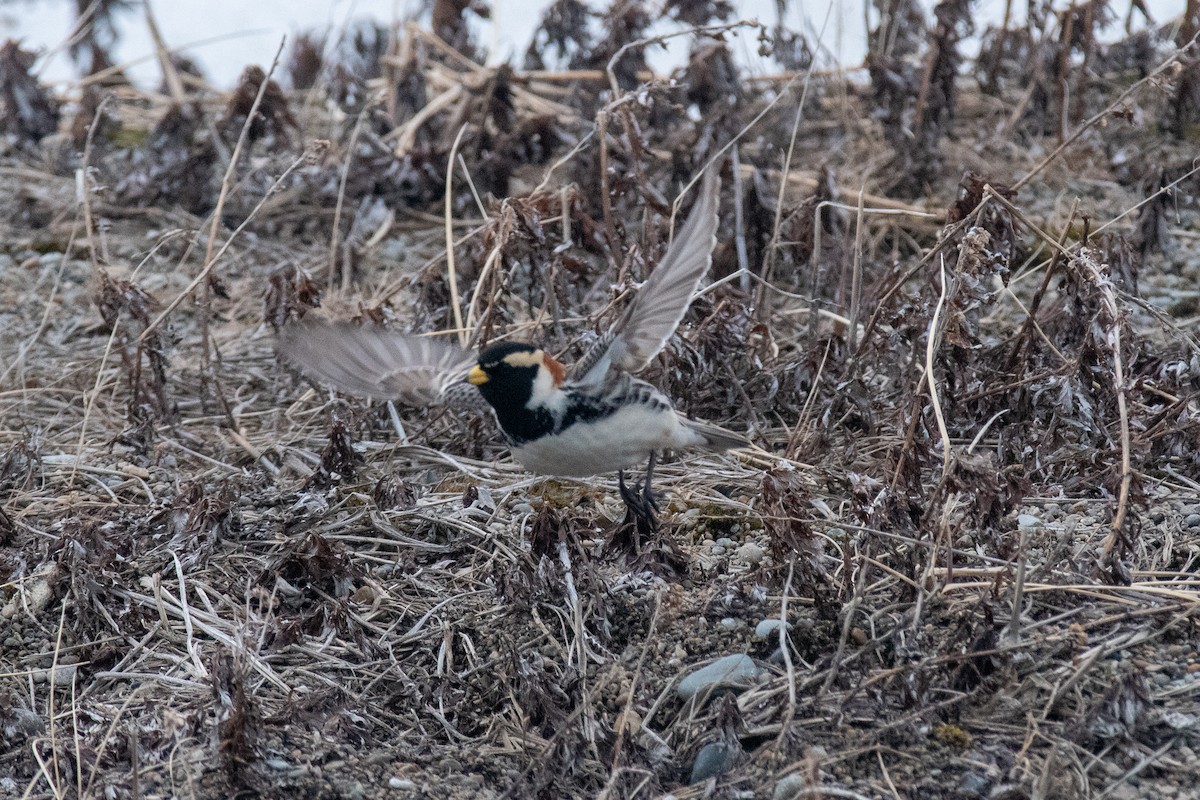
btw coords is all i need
(638, 538)
(640, 523)
(652, 499)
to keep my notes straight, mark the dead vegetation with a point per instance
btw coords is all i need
(954, 306)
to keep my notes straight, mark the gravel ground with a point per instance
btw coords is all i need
(976, 581)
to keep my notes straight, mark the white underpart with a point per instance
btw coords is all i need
(624, 439)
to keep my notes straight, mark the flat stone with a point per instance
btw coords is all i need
(1029, 522)
(736, 671)
(715, 758)
(789, 787)
(975, 784)
(768, 628)
(751, 553)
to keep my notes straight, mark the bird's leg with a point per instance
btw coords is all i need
(641, 505)
(647, 494)
(637, 537)
(628, 495)
(641, 518)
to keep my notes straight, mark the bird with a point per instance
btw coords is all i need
(591, 418)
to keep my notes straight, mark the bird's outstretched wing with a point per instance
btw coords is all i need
(662, 300)
(374, 362)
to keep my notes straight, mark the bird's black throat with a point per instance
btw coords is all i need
(508, 390)
(509, 400)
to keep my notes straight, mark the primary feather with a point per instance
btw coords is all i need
(375, 362)
(598, 420)
(660, 303)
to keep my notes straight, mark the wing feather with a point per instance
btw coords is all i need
(375, 362)
(660, 303)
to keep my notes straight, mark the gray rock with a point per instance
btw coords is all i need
(20, 723)
(1029, 522)
(1192, 520)
(61, 675)
(731, 624)
(713, 759)
(736, 671)
(395, 249)
(751, 553)
(768, 629)
(788, 787)
(975, 784)
(1125, 792)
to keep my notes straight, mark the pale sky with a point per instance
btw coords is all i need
(223, 36)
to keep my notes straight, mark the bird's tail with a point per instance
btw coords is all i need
(714, 437)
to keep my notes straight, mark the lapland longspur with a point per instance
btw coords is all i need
(592, 418)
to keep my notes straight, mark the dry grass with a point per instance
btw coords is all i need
(971, 500)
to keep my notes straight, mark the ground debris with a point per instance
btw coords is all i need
(953, 305)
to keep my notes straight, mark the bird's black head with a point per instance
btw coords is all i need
(506, 374)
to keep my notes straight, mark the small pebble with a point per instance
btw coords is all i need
(768, 628)
(725, 541)
(713, 759)
(395, 250)
(1192, 520)
(789, 787)
(751, 553)
(22, 722)
(736, 671)
(1124, 792)
(400, 783)
(731, 623)
(975, 784)
(1028, 522)
(59, 675)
